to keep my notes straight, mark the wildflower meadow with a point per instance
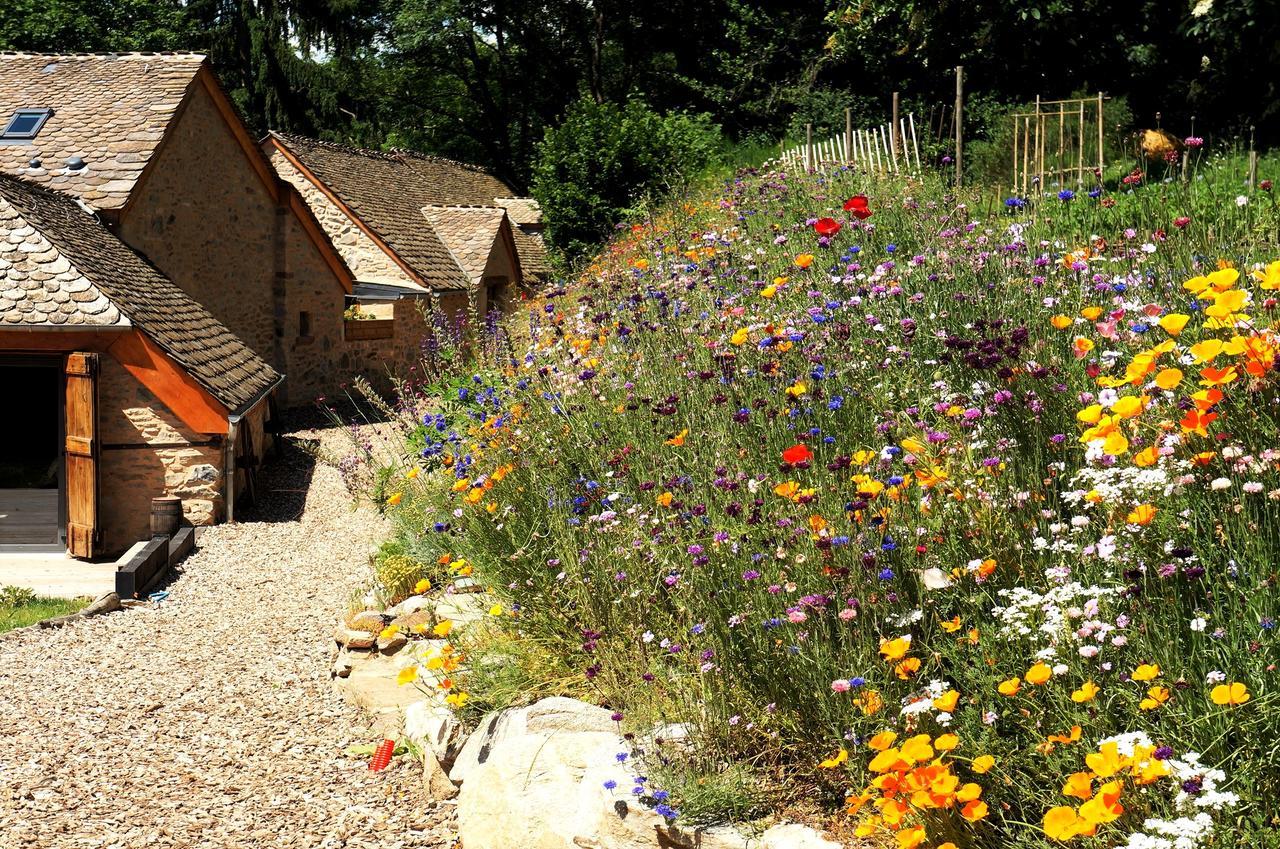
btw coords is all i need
(945, 520)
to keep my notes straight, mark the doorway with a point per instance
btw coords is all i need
(31, 459)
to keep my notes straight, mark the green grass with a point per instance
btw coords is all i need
(20, 609)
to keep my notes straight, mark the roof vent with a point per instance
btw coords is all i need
(75, 163)
(50, 68)
(34, 163)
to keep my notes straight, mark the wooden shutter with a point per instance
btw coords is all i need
(83, 534)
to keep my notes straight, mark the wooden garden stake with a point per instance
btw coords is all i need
(959, 120)
(808, 147)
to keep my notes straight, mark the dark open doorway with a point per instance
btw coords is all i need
(31, 453)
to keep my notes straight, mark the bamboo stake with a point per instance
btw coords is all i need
(1015, 154)
(959, 124)
(1080, 152)
(915, 142)
(893, 147)
(1062, 141)
(808, 147)
(1100, 136)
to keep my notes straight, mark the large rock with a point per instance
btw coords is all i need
(434, 779)
(463, 608)
(556, 715)
(795, 836)
(540, 791)
(412, 604)
(435, 728)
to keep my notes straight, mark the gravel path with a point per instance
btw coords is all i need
(212, 722)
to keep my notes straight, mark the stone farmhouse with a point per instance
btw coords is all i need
(167, 283)
(478, 248)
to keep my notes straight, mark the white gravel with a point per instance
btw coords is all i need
(212, 721)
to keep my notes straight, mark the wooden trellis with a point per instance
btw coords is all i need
(1057, 145)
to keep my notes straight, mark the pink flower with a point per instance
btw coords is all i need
(1181, 221)
(840, 685)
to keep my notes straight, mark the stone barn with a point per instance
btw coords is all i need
(128, 388)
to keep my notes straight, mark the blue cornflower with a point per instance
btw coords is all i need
(886, 574)
(1066, 194)
(1015, 203)
(610, 784)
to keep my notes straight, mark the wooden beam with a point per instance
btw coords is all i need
(60, 340)
(169, 382)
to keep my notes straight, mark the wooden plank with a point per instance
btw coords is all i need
(28, 516)
(81, 422)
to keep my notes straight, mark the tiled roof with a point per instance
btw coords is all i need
(533, 253)
(521, 210)
(48, 239)
(109, 109)
(469, 232)
(379, 185)
(40, 286)
(383, 192)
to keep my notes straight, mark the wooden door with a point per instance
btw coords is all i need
(83, 533)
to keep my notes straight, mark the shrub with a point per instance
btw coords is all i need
(606, 158)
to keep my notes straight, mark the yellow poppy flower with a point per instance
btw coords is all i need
(1010, 687)
(1088, 690)
(407, 675)
(983, 764)
(835, 761)
(1039, 674)
(1146, 672)
(1233, 694)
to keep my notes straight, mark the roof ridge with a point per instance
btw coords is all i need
(493, 207)
(98, 54)
(443, 160)
(332, 145)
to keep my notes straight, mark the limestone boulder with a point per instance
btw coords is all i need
(540, 791)
(556, 715)
(795, 836)
(435, 728)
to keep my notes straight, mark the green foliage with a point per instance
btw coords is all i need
(20, 607)
(605, 158)
(397, 574)
(509, 668)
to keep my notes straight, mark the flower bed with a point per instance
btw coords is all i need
(958, 528)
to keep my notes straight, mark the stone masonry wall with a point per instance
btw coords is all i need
(129, 477)
(368, 262)
(206, 220)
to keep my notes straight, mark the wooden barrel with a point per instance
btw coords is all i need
(166, 515)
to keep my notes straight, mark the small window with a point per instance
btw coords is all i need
(25, 123)
(304, 324)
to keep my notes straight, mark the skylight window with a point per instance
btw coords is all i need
(25, 124)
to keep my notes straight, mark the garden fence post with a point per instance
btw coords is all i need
(893, 128)
(848, 133)
(959, 120)
(1101, 161)
(915, 142)
(1253, 161)
(808, 147)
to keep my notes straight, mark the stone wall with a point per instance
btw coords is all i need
(204, 218)
(147, 452)
(368, 262)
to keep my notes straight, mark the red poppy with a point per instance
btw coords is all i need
(858, 207)
(827, 227)
(797, 454)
